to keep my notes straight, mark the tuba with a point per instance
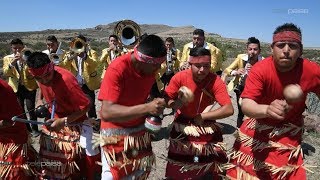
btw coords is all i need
(128, 33)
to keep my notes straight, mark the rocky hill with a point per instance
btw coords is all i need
(98, 35)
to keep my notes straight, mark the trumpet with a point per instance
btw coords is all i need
(55, 56)
(26, 52)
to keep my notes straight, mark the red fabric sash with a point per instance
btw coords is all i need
(38, 72)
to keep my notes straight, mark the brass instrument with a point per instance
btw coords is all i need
(170, 62)
(128, 33)
(55, 57)
(78, 46)
(25, 53)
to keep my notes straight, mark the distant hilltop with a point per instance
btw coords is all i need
(98, 35)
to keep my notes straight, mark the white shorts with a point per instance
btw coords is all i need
(86, 140)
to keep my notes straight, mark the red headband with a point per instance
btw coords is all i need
(147, 59)
(291, 36)
(38, 72)
(200, 59)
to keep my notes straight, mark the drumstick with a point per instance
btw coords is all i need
(16, 119)
(53, 109)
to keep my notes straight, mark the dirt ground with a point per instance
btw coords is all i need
(311, 144)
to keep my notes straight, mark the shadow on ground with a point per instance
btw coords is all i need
(162, 134)
(227, 128)
(308, 149)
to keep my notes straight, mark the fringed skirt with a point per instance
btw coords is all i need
(127, 151)
(60, 153)
(17, 161)
(267, 151)
(195, 152)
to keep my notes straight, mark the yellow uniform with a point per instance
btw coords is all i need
(89, 69)
(238, 63)
(18, 74)
(108, 56)
(176, 65)
(216, 55)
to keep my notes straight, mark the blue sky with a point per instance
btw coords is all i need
(234, 19)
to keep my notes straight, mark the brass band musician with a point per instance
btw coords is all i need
(198, 40)
(113, 51)
(18, 77)
(82, 61)
(239, 70)
(54, 50)
(167, 70)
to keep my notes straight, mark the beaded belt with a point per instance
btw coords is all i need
(122, 131)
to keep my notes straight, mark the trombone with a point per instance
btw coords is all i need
(77, 46)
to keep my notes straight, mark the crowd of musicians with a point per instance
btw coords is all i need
(55, 90)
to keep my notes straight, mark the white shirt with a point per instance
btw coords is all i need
(79, 72)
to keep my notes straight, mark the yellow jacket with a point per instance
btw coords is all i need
(89, 70)
(106, 58)
(163, 69)
(236, 64)
(216, 55)
(176, 64)
(15, 78)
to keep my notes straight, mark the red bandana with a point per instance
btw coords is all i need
(148, 59)
(200, 59)
(290, 36)
(38, 72)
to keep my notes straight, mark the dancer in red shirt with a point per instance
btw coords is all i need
(196, 150)
(126, 144)
(16, 154)
(268, 145)
(68, 106)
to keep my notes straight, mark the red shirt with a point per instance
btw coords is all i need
(123, 85)
(68, 95)
(212, 83)
(265, 84)
(10, 107)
